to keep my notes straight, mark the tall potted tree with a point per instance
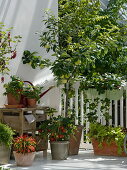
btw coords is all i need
(85, 40)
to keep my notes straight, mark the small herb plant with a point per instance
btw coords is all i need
(15, 86)
(107, 133)
(6, 135)
(24, 144)
(32, 92)
(57, 128)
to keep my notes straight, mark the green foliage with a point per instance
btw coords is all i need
(6, 135)
(57, 128)
(7, 48)
(34, 60)
(15, 86)
(4, 168)
(107, 133)
(102, 82)
(32, 92)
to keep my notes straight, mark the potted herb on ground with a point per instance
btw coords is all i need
(13, 90)
(6, 137)
(24, 153)
(58, 130)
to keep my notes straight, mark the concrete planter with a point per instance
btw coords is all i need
(4, 154)
(24, 159)
(59, 150)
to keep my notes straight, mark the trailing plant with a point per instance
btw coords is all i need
(15, 86)
(8, 47)
(108, 134)
(102, 82)
(6, 135)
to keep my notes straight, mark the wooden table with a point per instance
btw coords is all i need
(15, 118)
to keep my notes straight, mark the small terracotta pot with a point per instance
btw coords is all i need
(12, 100)
(31, 102)
(24, 159)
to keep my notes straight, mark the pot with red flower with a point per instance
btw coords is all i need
(24, 153)
(58, 130)
(13, 90)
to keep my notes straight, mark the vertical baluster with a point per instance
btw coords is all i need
(99, 112)
(64, 98)
(60, 104)
(116, 113)
(71, 104)
(87, 123)
(121, 112)
(76, 86)
(82, 108)
(82, 116)
(110, 113)
(126, 108)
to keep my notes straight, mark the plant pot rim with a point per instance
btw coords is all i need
(52, 142)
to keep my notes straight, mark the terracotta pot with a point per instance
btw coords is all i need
(59, 150)
(12, 100)
(24, 159)
(31, 102)
(106, 149)
(75, 141)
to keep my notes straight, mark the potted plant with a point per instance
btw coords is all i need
(24, 153)
(6, 137)
(32, 93)
(8, 47)
(13, 90)
(107, 140)
(58, 130)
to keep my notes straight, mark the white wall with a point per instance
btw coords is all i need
(26, 16)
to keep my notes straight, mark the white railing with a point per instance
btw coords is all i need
(118, 110)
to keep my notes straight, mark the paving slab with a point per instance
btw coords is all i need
(86, 160)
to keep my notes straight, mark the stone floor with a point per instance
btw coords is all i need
(86, 160)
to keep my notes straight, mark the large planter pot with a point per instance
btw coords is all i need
(75, 141)
(24, 159)
(106, 149)
(12, 100)
(31, 102)
(59, 150)
(4, 154)
(115, 94)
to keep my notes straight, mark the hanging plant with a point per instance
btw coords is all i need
(7, 49)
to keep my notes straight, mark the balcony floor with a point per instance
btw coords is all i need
(86, 160)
